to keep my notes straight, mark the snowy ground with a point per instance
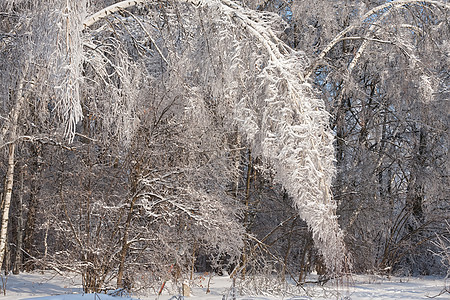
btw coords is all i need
(54, 287)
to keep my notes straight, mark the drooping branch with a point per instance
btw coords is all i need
(287, 125)
(379, 13)
(89, 21)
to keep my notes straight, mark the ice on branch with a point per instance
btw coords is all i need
(283, 120)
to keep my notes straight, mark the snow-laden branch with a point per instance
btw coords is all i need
(89, 21)
(282, 119)
(368, 16)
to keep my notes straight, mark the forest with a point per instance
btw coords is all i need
(144, 141)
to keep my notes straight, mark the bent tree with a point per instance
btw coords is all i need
(222, 58)
(262, 88)
(273, 105)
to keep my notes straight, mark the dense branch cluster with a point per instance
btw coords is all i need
(167, 137)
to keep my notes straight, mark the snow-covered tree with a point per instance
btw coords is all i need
(383, 68)
(159, 98)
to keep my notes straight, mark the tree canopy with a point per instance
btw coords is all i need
(171, 122)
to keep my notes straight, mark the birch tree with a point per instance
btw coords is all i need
(277, 111)
(28, 43)
(374, 65)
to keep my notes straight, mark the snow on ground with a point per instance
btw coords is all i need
(48, 286)
(37, 284)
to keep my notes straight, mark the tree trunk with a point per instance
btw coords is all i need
(30, 225)
(11, 129)
(418, 193)
(288, 250)
(9, 181)
(125, 244)
(18, 257)
(247, 212)
(31, 216)
(123, 255)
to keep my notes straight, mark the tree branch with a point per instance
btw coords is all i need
(366, 16)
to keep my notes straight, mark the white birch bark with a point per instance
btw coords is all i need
(9, 179)
(7, 202)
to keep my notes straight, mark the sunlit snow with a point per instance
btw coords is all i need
(49, 286)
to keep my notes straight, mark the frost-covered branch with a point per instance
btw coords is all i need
(378, 13)
(284, 122)
(442, 242)
(101, 14)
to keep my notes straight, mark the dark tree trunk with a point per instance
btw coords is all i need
(30, 227)
(18, 256)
